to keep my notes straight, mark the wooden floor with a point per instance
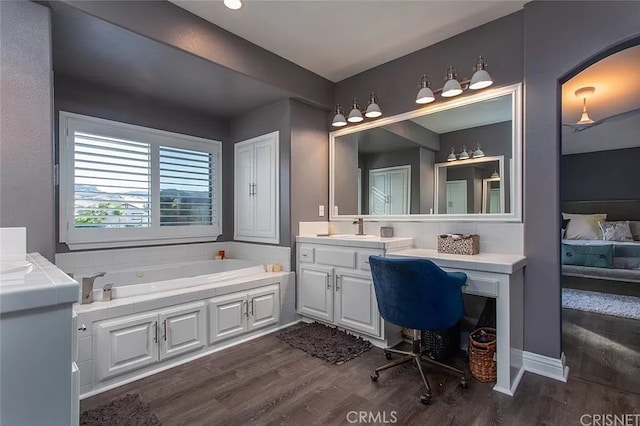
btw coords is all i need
(266, 381)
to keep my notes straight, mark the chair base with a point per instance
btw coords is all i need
(416, 356)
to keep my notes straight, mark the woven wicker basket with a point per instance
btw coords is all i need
(483, 366)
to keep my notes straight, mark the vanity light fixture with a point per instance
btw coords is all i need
(464, 155)
(355, 115)
(452, 86)
(495, 174)
(338, 119)
(452, 155)
(373, 110)
(233, 4)
(478, 153)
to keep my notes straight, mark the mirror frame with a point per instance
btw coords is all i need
(514, 90)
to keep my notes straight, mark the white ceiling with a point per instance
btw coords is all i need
(340, 38)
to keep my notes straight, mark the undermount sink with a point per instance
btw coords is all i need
(353, 236)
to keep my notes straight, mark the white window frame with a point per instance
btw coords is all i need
(78, 239)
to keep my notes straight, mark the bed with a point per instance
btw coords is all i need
(624, 265)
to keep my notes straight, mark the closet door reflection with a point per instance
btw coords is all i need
(389, 190)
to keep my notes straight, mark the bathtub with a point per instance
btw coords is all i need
(154, 279)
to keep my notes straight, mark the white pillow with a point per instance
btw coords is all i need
(616, 231)
(584, 226)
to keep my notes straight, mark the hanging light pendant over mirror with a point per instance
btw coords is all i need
(464, 155)
(481, 77)
(478, 153)
(373, 110)
(425, 94)
(452, 85)
(355, 115)
(338, 119)
(452, 155)
(495, 174)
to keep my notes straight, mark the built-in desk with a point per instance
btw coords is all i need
(499, 276)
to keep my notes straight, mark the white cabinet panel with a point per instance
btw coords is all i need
(256, 194)
(227, 316)
(183, 329)
(315, 292)
(126, 344)
(356, 305)
(336, 257)
(264, 307)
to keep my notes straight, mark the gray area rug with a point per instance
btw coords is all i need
(327, 343)
(128, 410)
(601, 303)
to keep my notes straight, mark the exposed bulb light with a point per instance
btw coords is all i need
(233, 4)
(495, 174)
(478, 153)
(452, 155)
(481, 77)
(338, 119)
(464, 155)
(355, 115)
(584, 93)
(452, 86)
(425, 94)
(373, 110)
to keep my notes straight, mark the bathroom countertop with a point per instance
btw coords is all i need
(352, 240)
(486, 262)
(31, 281)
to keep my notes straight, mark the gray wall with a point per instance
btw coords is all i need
(270, 118)
(560, 38)
(81, 97)
(382, 160)
(26, 148)
(601, 176)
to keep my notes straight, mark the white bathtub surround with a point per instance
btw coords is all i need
(195, 311)
(505, 238)
(88, 262)
(36, 340)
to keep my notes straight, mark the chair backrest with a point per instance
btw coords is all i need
(416, 293)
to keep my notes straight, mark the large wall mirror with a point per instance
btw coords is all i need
(455, 160)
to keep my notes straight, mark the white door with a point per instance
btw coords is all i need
(399, 191)
(244, 210)
(457, 197)
(378, 193)
(227, 316)
(266, 190)
(315, 292)
(264, 307)
(494, 201)
(126, 344)
(356, 306)
(182, 329)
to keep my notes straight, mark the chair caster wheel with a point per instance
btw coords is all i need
(375, 376)
(463, 383)
(425, 399)
(387, 355)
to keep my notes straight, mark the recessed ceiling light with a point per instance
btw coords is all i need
(233, 4)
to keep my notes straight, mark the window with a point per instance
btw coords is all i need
(123, 185)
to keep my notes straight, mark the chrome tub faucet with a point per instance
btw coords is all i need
(87, 287)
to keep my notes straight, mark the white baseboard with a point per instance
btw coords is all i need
(554, 368)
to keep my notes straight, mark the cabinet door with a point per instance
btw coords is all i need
(182, 329)
(243, 194)
(266, 190)
(355, 303)
(227, 316)
(126, 344)
(315, 292)
(264, 307)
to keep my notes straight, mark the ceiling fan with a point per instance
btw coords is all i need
(585, 121)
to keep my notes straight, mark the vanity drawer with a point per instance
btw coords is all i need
(306, 255)
(336, 257)
(363, 259)
(481, 286)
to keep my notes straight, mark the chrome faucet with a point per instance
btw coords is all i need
(87, 287)
(360, 222)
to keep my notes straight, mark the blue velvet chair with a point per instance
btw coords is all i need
(415, 293)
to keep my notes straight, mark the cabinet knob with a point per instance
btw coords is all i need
(82, 328)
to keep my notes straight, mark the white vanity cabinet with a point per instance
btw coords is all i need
(136, 341)
(256, 192)
(239, 313)
(334, 284)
